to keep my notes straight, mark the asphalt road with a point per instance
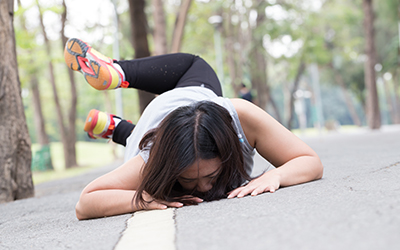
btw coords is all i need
(355, 206)
(48, 221)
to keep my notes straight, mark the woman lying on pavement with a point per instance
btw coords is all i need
(190, 144)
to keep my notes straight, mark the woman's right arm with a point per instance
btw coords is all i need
(113, 193)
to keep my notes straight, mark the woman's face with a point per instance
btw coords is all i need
(201, 175)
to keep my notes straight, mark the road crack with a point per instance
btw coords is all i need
(387, 167)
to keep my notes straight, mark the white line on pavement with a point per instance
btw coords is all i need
(148, 230)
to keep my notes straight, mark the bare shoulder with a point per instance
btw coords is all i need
(245, 109)
(272, 140)
(255, 119)
(247, 113)
(240, 104)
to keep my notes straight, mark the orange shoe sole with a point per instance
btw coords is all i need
(91, 120)
(99, 124)
(79, 56)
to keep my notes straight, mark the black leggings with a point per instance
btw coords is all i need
(159, 74)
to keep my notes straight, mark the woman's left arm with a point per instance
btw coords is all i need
(294, 160)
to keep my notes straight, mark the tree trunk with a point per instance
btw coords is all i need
(70, 129)
(287, 109)
(140, 43)
(59, 111)
(160, 38)
(259, 70)
(40, 128)
(268, 90)
(347, 98)
(396, 86)
(38, 117)
(258, 81)
(396, 78)
(179, 27)
(300, 72)
(67, 139)
(42, 159)
(398, 28)
(15, 146)
(389, 102)
(235, 71)
(372, 106)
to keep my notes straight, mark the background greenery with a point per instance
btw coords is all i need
(326, 32)
(89, 156)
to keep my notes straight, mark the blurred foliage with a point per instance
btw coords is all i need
(326, 32)
(89, 155)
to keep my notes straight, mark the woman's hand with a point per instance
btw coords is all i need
(267, 182)
(294, 160)
(152, 204)
(190, 200)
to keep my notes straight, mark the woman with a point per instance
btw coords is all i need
(190, 144)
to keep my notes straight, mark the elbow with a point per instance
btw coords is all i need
(82, 208)
(78, 211)
(319, 169)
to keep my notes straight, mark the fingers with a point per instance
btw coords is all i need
(247, 190)
(151, 203)
(162, 205)
(185, 200)
(156, 205)
(197, 199)
(253, 190)
(191, 198)
(261, 190)
(235, 192)
(172, 204)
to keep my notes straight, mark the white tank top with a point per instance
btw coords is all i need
(163, 104)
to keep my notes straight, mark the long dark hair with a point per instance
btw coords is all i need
(203, 130)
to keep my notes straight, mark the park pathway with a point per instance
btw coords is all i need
(356, 205)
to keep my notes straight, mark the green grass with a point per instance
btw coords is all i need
(89, 155)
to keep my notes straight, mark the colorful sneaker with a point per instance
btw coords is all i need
(99, 124)
(97, 69)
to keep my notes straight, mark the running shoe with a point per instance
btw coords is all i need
(97, 69)
(99, 124)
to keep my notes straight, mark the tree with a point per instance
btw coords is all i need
(15, 148)
(397, 78)
(387, 40)
(342, 43)
(42, 159)
(160, 27)
(70, 128)
(180, 25)
(67, 133)
(40, 128)
(347, 98)
(372, 108)
(234, 60)
(140, 42)
(293, 90)
(259, 69)
(139, 33)
(159, 33)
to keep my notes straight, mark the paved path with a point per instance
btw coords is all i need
(355, 206)
(48, 221)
